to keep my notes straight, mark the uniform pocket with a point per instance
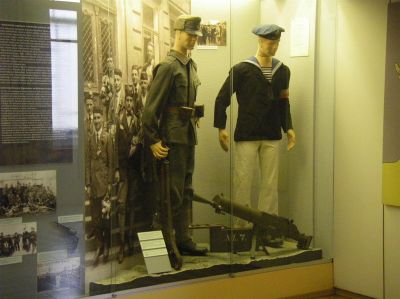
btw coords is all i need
(181, 91)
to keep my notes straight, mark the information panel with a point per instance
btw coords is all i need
(26, 115)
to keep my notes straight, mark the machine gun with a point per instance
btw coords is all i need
(266, 227)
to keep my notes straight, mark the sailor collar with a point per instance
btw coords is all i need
(182, 58)
(275, 63)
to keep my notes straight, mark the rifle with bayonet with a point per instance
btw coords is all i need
(266, 227)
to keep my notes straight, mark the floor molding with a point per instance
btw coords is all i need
(350, 295)
(323, 293)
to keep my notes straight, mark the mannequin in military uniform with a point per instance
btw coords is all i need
(169, 124)
(261, 84)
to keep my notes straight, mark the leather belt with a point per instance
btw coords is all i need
(173, 109)
(178, 110)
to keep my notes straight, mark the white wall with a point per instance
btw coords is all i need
(358, 212)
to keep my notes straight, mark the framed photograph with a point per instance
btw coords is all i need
(214, 34)
(60, 275)
(18, 239)
(32, 192)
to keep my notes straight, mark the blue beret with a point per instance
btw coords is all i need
(268, 31)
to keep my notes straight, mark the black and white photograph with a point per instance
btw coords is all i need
(60, 276)
(18, 239)
(32, 192)
(214, 33)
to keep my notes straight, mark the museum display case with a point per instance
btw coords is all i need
(86, 209)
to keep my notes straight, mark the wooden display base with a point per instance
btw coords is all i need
(204, 266)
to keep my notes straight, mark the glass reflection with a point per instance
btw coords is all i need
(64, 68)
(64, 85)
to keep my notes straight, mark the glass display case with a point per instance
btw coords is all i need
(85, 207)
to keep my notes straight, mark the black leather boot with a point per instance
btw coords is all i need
(190, 248)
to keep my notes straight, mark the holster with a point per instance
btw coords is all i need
(198, 111)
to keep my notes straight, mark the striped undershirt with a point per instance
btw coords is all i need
(267, 72)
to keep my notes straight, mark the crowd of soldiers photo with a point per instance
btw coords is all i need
(26, 198)
(10, 244)
(114, 168)
(213, 34)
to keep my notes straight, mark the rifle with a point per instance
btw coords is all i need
(266, 227)
(166, 217)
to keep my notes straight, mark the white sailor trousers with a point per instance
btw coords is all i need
(265, 155)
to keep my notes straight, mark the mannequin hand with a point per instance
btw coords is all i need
(291, 139)
(159, 151)
(197, 122)
(224, 139)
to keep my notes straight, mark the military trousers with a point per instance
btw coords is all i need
(257, 156)
(181, 167)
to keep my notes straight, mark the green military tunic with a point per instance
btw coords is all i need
(174, 85)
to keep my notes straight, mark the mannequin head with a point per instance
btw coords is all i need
(187, 29)
(267, 47)
(184, 41)
(269, 36)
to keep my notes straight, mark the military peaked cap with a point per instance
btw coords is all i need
(268, 31)
(189, 24)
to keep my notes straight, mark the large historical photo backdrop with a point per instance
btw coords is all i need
(122, 42)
